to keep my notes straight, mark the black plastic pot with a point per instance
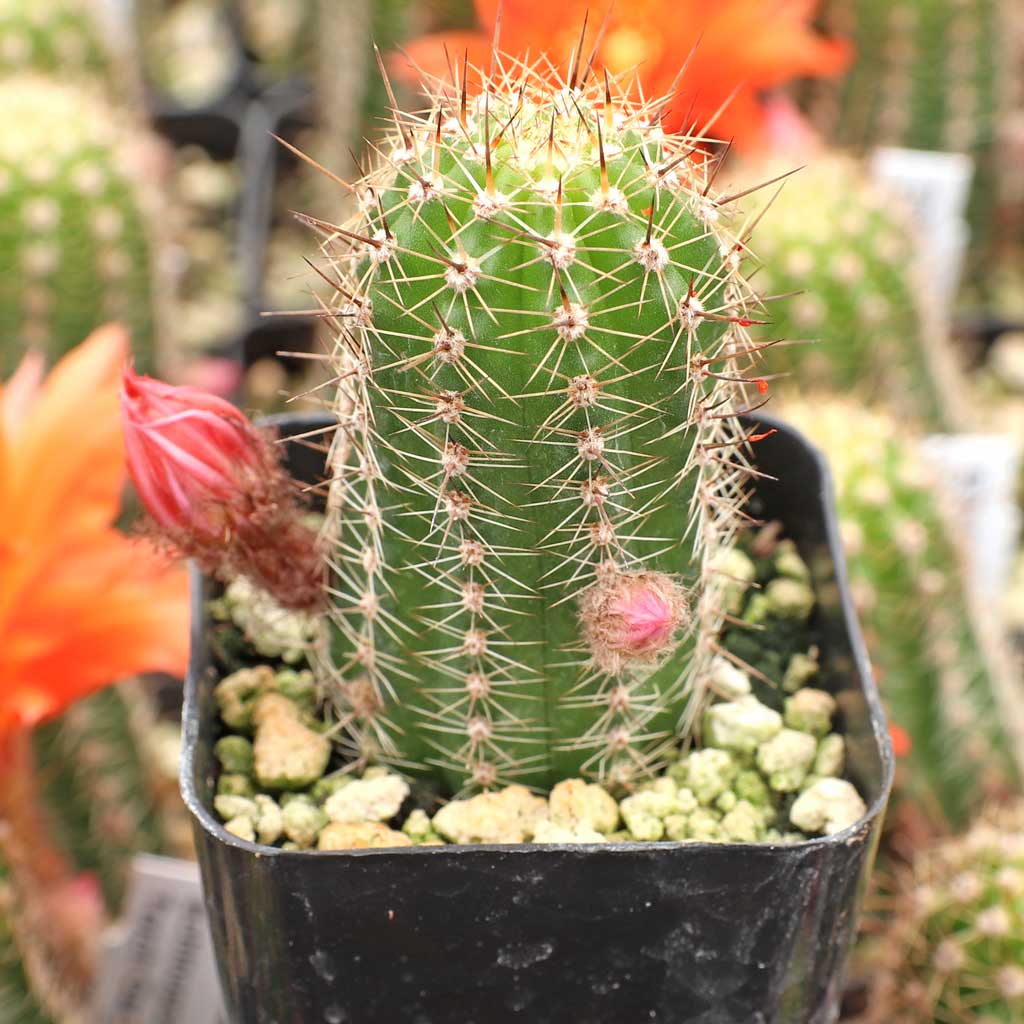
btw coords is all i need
(562, 934)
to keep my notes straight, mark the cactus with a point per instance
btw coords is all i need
(543, 347)
(942, 671)
(75, 246)
(104, 796)
(52, 36)
(929, 74)
(18, 1003)
(279, 33)
(953, 945)
(98, 780)
(190, 48)
(854, 313)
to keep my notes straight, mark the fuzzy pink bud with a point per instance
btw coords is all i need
(632, 618)
(215, 490)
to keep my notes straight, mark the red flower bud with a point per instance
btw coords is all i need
(215, 490)
(632, 618)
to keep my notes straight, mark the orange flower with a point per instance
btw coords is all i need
(745, 46)
(81, 605)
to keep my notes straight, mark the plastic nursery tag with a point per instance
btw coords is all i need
(979, 474)
(936, 186)
(157, 962)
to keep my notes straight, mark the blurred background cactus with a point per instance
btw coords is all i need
(189, 49)
(109, 783)
(941, 664)
(51, 36)
(856, 313)
(951, 944)
(78, 221)
(929, 74)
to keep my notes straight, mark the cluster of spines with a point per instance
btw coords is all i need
(487, 707)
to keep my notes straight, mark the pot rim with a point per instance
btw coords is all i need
(685, 848)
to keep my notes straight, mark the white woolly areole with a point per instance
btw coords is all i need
(382, 248)
(582, 392)
(422, 190)
(449, 345)
(652, 255)
(571, 323)
(487, 205)
(561, 254)
(463, 274)
(691, 309)
(611, 200)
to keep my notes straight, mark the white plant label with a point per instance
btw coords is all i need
(979, 474)
(157, 963)
(936, 187)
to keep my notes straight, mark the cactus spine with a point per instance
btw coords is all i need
(75, 248)
(942, 672)
(855, 312)
(543, 346)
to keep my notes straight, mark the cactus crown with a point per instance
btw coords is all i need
(542, 349)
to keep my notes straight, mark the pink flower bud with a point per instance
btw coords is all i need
(215, 490)
(632, 618)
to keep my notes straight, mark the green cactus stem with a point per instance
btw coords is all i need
(75, 226)
(543, 347)
(941, 668)
(855, 312)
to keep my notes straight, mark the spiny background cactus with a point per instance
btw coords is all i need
(952, 951)
(107, 791)
(543, 346)
(75, 222)
(854, 312)
(100, 778)
(942, 671)
(52, 36)
(18, 1004)
(929, 74)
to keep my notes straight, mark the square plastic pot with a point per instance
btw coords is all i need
(619, 933)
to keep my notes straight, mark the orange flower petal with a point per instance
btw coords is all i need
(81, 605)
(426, 58)
(69, 468)
(740, 48)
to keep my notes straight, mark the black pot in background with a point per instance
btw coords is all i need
(563, 934)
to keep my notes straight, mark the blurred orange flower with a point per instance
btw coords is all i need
(81, 605)
(742, 45)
